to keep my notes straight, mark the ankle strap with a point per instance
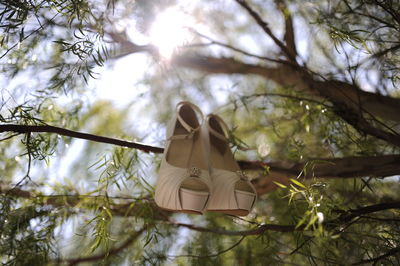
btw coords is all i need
(223, 125)
(183, 122)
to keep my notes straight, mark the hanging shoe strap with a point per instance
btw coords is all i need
(223, 125)
(185, 125)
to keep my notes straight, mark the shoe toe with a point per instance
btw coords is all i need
(193, 200)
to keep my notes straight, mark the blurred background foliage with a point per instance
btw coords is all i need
(91, 66)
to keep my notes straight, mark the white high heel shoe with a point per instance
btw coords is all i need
(184, 183)
(232, 193)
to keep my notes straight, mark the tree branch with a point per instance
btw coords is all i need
(337, 92)
(289, 29)
(132, 207)
(257, 231)
(284, 74)
(211, 255)
(79, 135)
(362, 125)
(347, 167)
(264, 26)
(288, 96)
(391, 252)
(351, 214)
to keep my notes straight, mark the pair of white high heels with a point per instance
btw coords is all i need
(198, 171)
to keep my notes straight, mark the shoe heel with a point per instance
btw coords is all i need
(244, 199)
(193, 200)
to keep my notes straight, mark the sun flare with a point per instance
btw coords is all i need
(170, 30)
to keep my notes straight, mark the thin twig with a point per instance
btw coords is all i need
(29, 35)
(293, 97)
(301, 245)
(391, 252)
(211, 255)
(108, 253)
(212, 41)
(394, 220)
(256, 231)
(27, 176)
(244, 220)
(351, 214)
(10, 137)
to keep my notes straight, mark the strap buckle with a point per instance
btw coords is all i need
(242, 175)
(194, 172)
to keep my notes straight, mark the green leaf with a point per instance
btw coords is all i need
(311, 222)
(279, 184)
(95, 245)
(108, 212)
(294, 181)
